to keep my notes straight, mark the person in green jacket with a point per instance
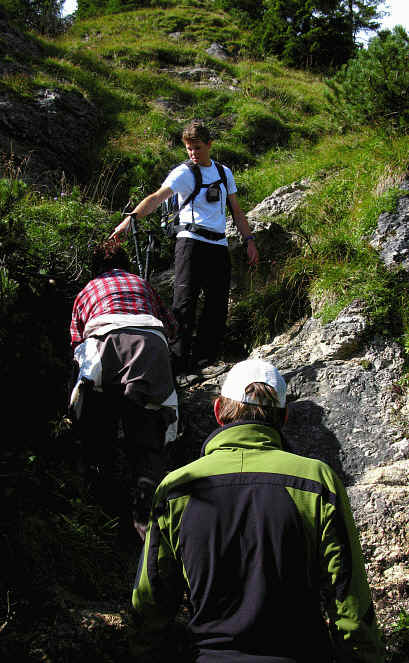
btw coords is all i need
(263, 541)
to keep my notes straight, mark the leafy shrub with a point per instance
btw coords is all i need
(11, 190)
(45, 259)
(372, 87)
(56, 237)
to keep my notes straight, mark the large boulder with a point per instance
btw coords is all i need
(52, 133)
(218, 51)
(44, 132)
(391, 237)
(261, 218)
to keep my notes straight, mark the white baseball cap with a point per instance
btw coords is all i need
(253, 370)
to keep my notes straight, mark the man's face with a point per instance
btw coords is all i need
(199, 152)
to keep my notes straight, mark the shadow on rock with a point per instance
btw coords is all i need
(306, 435)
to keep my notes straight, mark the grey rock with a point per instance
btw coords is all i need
(197, 74)
(391, 237)
(316, 342)
(203, 76)
(53, 132)
(344, 408)
(216, 50)
(283, 200)
(56, 128)
(175, 35)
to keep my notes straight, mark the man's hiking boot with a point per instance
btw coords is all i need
(186, 379)
(209, 370)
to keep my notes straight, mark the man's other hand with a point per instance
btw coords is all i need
(252, 253)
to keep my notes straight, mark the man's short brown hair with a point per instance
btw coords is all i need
(196, 130)
(108, 255)
(269, 412)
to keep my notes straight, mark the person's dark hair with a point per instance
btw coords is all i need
(269, 412)
(196, 130)
(108, 255)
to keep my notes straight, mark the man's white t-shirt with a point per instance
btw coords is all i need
(211, 216)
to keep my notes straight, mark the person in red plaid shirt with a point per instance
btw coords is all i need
(118, 292)
(119, 333)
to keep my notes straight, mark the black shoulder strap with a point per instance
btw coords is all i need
(222, 173)
(198, 182)
(223, 178)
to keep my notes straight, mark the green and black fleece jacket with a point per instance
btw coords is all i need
(263, 539)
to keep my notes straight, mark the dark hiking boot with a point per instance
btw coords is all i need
(210, 370)
(186, 379)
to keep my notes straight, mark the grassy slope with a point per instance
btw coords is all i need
(120, 63)
(272, 126)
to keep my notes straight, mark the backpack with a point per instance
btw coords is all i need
(170, 207)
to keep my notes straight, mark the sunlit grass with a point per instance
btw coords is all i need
(271, 125)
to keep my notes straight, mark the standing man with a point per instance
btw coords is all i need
(202, 261)
(262, 539)
(119, 331)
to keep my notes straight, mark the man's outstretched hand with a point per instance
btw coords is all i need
(120, 231)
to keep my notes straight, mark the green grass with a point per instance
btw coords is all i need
(271, 124)
(120, 62)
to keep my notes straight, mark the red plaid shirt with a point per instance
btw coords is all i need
(117, 291)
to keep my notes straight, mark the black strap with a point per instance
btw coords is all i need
(198, 183)
(195, 168)
(223, 178)
(204, 232)
(222, 173)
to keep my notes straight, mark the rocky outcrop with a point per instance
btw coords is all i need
(196, 75)
(48, 132)
(391, 238)
(217, 50)
(16, 49)
(348, 388)
(283, 200)
(201, 76)
(54, 130)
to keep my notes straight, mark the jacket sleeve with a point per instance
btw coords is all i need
(346, 591)
(159, 585)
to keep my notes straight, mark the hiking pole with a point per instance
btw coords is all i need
(150, 246)
(135, 239)
(135, 236)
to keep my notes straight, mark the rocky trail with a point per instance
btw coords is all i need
(348, 407)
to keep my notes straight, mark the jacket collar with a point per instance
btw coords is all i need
(244, 435)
